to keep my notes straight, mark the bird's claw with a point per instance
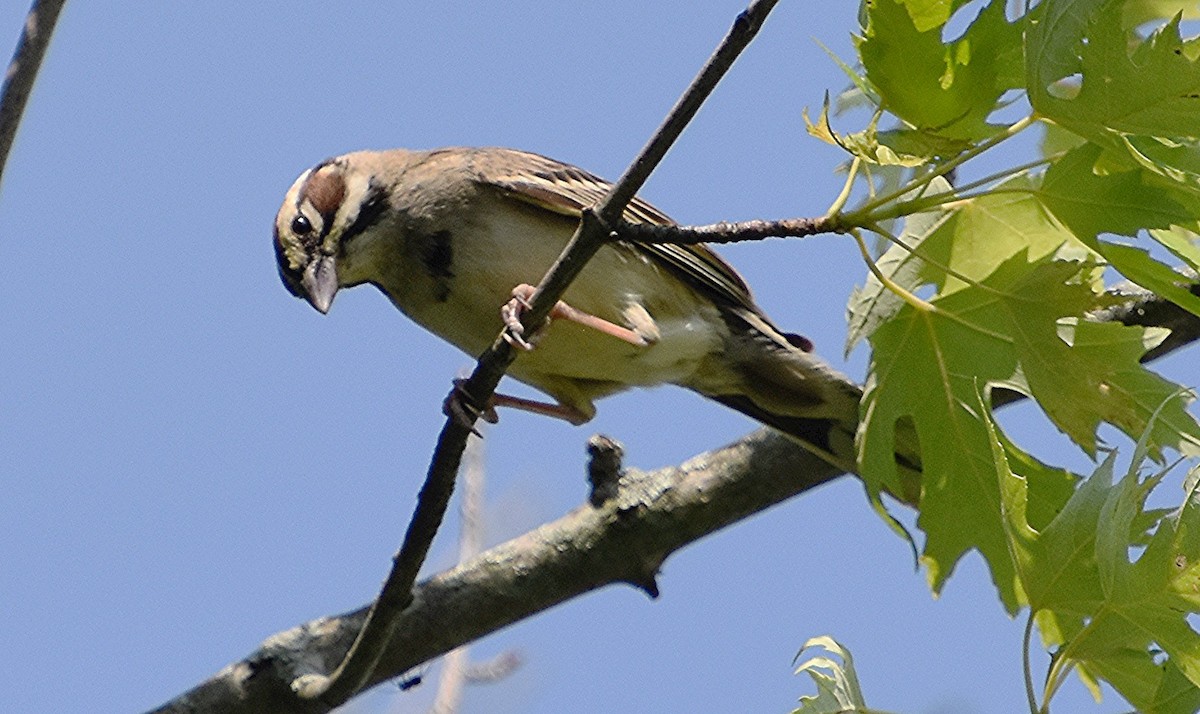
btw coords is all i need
(514, 331)
(459, 407)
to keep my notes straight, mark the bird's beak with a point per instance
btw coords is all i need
(320, 282)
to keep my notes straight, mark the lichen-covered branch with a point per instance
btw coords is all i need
(624, 540)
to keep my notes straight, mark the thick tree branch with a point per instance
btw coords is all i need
(337, 684)
(624, 538)
(18, 79)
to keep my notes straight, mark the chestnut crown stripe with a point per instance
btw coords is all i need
(325, 189)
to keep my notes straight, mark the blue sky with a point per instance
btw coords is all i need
(192, 460)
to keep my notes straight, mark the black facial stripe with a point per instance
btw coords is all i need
(372, 209)
(291, 278)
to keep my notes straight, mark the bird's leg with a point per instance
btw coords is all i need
(511, 314)
(458, 406)
(568, 414)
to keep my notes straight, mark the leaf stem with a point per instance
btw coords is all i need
(1009, 172)
(867, 212)
(840, 202)
(962, 193)
(908, 297)
(1029, 693)
(919, 252)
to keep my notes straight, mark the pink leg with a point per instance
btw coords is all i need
(511, 314)
(570, 415)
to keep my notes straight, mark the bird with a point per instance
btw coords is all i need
(456, 237)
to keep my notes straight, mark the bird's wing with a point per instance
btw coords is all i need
(568, 190)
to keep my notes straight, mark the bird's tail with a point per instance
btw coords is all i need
(833, 440)
(775, 378)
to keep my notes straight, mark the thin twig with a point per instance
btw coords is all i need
(470, 543)
(451, 683)
(494, 669)
(457, 669)
(22, 71)
(593, 231)
(723, 232)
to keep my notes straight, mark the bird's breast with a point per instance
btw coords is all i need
(461, 270)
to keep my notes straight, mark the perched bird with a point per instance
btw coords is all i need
(452, 235)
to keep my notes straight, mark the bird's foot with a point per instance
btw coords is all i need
(459, 406)
(511, 314)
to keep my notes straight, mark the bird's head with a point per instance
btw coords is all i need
(321, 226)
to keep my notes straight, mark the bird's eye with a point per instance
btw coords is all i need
(301, 226)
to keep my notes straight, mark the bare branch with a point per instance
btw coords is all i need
(724, 232)
(396, 594)
(22, 71)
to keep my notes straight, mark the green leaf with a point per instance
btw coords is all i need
(1049, 487)
(838, 690)
(1090, 202)
(871, 305)
(1173, 692)
(1082, 73)
(856, 78)
(1092, 606)
(1127, 395)
(821, 128)
(1008, 329)
(1153, 687)
(1177, 160)
(1056, 139)
(1137, 265)
(926, 364)
(1058, 566)
(928, 14)
(1136, 12)
(1145, 602)
(1183, 243)
(913, 148)
(972, 241)
(943, 89)
(1056, 32)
